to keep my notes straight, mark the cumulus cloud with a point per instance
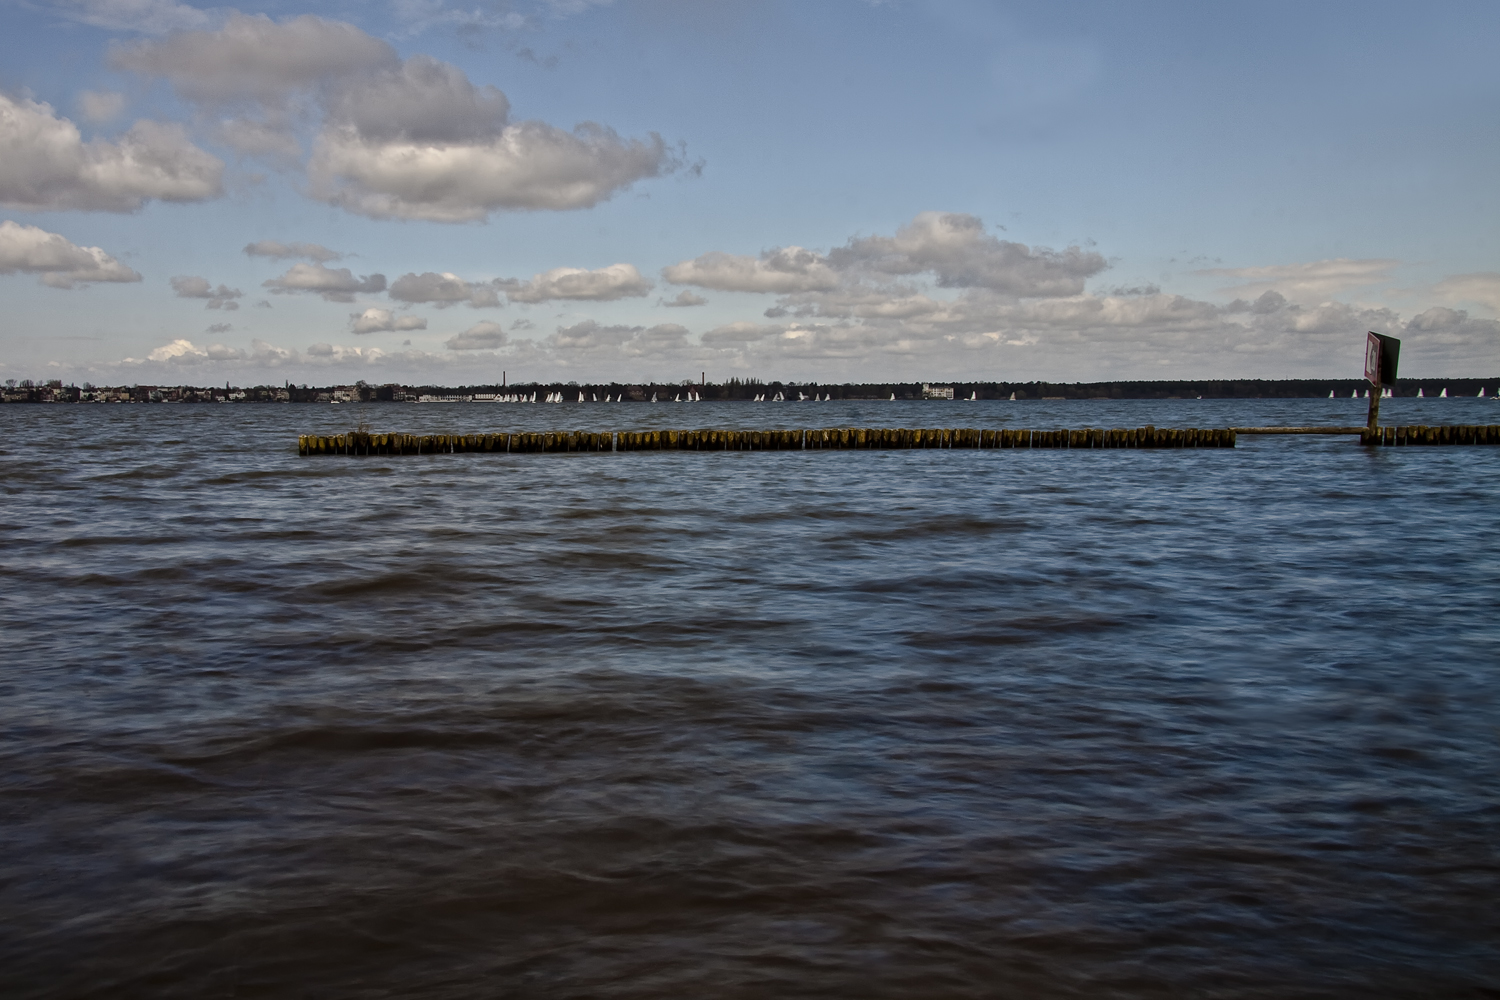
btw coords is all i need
(443, 290)
(338, 354)
(101, 105)
(255, 58)
(47, 166)
(57, 261)
(406, 140)
(482, 336)
(185, 352)
(277, 250)
(219, 328)
(377, 320)
(528, 166)
(955, 248)
(683, 300)
(421, 101)
(1313, 280)
(335, 285)
(193, 287)
(788, 269)
(617, 281)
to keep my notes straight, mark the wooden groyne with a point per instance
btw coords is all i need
(828, 438)
(860, 438)
(1421, 434)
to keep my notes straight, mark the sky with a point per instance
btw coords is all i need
(422, 192)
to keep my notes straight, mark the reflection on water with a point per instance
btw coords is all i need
(867, 724)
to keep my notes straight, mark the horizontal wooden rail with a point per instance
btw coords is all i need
(1299, 430)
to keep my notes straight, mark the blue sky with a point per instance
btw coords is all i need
(839, 190)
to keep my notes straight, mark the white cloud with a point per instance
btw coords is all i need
(443, 290)
(269, 353)
(46, 165)
(193, 287)
(617, 281)
(152, 17)
(185, 352)
(377, 320)
(101, 105)
(1482, 288)
(59, 262)
(788, 269)
(335, 285)
(277, 250)
(955, 248)
(404, 140)
(338, 354)
(683, 300)
(482, 336)
(528, 166)
(256, 59)
(1309, 281)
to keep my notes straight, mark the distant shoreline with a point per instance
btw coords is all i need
(735, 390)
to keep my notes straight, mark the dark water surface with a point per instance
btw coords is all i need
(835, 724)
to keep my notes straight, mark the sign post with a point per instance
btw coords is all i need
(1381, 355)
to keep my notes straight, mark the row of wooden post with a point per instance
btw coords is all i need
(1423, 434)
(837, 438)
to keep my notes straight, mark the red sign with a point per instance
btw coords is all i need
(1372, 359)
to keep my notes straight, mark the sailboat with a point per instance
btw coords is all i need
(653, 397)
(974, 396)
(1419, 393)
(893, 397)
(1330, 394)
(779, 398)
(1444, 393)
(1013, 397)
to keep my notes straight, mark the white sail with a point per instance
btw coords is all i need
(1444, 393)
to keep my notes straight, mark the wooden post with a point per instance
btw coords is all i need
(1381, 356)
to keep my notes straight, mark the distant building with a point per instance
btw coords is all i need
(937, 391)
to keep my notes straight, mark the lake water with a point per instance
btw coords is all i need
(828, 724)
